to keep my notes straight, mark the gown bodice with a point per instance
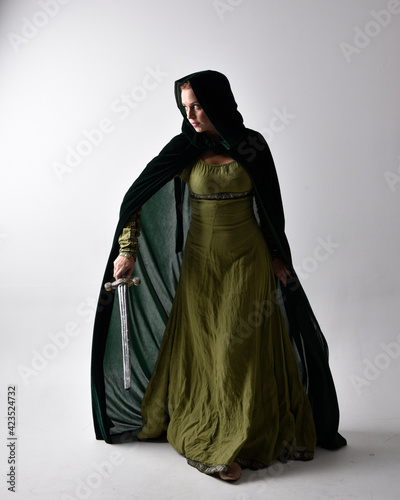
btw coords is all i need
(205, 178)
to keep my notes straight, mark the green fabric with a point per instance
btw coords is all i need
(164, 226)
(226, 364)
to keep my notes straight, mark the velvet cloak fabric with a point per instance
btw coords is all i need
(165, 219)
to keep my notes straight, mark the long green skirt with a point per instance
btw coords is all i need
(226, 386)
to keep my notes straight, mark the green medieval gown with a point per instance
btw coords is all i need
(225, 363)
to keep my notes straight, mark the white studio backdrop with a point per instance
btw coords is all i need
(86, 100)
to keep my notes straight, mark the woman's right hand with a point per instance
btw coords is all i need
(123, 266)
(281, 271)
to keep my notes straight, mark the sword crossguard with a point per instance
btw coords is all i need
(122, 281)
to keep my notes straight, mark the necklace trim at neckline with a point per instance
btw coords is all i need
(220, 165)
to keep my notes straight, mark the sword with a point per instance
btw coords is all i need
(122, 286)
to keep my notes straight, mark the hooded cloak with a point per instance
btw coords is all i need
(165, 220)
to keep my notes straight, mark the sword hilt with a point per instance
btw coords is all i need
(122, 281)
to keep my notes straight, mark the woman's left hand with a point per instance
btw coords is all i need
(281, 271)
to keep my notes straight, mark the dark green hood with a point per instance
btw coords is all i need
(213, 91)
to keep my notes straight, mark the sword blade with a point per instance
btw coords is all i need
(126, 353)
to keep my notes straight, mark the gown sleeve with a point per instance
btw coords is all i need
(128, 240)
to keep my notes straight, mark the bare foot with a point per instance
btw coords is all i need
(232, 474)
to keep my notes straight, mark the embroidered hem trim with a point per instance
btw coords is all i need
(221, 196)
(247, 463)
(213, 469)
(302, 455)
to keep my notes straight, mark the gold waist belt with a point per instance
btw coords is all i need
(221, 196)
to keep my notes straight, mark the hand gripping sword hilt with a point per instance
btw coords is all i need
(127, 281)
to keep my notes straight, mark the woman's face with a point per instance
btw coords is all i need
(195, 114)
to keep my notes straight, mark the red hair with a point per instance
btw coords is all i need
(185, 86)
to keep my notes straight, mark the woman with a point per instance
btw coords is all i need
(222, 379)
